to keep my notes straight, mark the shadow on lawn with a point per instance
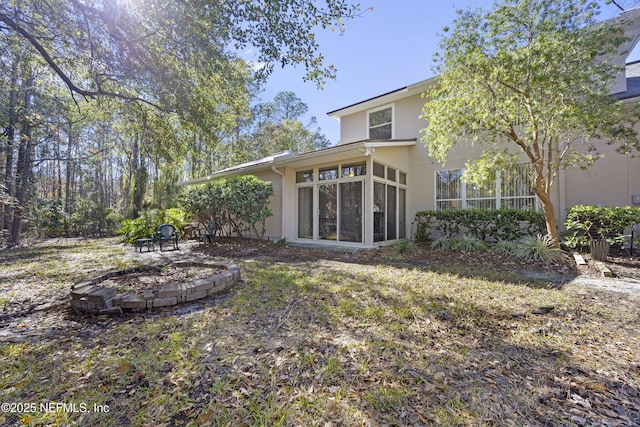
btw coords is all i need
(320, 337)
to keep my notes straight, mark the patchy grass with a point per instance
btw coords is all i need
(314, 341)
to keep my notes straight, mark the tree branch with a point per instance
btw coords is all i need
(73, 88)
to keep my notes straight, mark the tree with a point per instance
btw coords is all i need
(274, 127)
(166, 86)
(138, 50)
(532, 77)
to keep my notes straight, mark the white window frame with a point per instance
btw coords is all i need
(393, 119)
(315, 184)
(497, 197)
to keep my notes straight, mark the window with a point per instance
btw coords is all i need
(349, 171)
(328, 173)
(449, 189)
(378, 170)
(304, 176)
(389, 204)
(517, 189)
(305, 212)
(330, 203)
(380, 123)
(513, 189)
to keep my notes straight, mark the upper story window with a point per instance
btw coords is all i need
(380, 123)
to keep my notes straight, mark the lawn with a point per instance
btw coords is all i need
(317, 339)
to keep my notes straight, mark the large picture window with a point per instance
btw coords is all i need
(389, 204)
(513, 189)
(331, 202)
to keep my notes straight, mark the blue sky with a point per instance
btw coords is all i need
(387, 49)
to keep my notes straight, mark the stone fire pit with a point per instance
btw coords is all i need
(89, 296)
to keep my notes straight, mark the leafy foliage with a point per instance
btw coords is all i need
(241, 203)
(49, 218)
(505, 247)
(405, 247)
(176, 44)
(148, 222)
(92, 219)
(585, 222)
(500, 224)
(532, 78)
(538, 248)
(273, 127)
(89, 219)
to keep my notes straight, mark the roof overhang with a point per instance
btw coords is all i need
(337, 153)
(387, 98)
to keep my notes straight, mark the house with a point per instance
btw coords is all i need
(365, 191)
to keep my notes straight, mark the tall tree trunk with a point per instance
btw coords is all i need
(138, 181)
(10, 135)
(68, 177)
(549, 214)
(24, 164)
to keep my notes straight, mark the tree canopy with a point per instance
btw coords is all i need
(166, 82)
(139, 49)
(532, 77)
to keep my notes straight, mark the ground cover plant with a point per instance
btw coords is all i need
(318, 338)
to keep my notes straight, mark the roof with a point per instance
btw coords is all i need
(629, 19)
(413, 89)
(288, 158)
(633, 81)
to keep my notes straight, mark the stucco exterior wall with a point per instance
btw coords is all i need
(353, 127)
(611, 181)
(273, 224)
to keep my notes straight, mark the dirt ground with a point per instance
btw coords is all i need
(623, 265)
(533, 357)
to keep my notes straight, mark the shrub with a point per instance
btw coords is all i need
(505, 247)
(280, 243)
(147, 223)
(538, 248)
(585, 223)
(500, 224)
(405, 247)
(49, 218)
(465, 244)
(92, 219)
(241, 203)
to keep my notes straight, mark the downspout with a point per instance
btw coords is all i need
(273, 168)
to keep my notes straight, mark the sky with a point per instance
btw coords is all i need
(386, 49)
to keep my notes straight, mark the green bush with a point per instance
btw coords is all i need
(505, 247)
(49, 218)
(538, 248)
(500, 224)
(585, 223)
(241, 203)
(146, 224)
(92, 219)
(405, 247)
(464, 244)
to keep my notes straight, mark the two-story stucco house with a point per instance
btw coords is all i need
(365, 191)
